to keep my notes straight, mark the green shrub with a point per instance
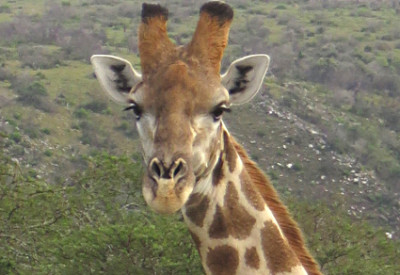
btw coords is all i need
(32, 92)
(96, 106)
(297, 167)
(16, 136)
(38, 57)
(81, 113)
(17, 150)
(280, 7)
(32, 132)
(5, 9)
(98, 224)
(123, 126)
(345, 246)
(273, 175)
(28, 90)
(46, 131)
(17, 116)
(5, 74)
(261, 133)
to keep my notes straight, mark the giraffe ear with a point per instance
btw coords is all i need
(116, 76)
(244, 77)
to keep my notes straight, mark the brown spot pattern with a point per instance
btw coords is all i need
(250, 192)
(240, 222)
(251, 258)
(196, 208)
(231, 219)
(230, 153)
(280, 257)
(218, 228)
(218, 172)
(223, 260)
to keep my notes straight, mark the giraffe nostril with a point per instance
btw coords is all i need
(156, 168)
(178, 169)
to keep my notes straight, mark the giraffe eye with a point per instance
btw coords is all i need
(136, 110)
(218, 112)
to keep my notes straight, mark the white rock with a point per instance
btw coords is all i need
(16, 161)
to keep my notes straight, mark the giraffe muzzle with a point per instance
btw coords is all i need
(166, 187)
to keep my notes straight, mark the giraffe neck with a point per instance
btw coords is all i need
(234, 230)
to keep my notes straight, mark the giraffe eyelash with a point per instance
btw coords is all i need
(136, 110)
(218, 112)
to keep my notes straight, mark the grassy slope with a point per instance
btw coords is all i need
(73, 81)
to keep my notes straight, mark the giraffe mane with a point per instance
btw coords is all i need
(287, 224)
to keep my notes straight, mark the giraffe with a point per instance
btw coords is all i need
(192, 163)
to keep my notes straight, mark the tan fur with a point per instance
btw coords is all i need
(285, 221)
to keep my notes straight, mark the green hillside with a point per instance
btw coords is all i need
(325, 128)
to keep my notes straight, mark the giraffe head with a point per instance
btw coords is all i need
(179, 99)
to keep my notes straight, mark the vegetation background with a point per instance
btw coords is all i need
(325, 127)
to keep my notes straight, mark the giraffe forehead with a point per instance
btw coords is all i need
(183, 85)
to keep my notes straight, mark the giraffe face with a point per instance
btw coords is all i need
(179, 99)
(178, 117)
(178, 112)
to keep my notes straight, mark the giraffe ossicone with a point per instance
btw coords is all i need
(192, 162)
